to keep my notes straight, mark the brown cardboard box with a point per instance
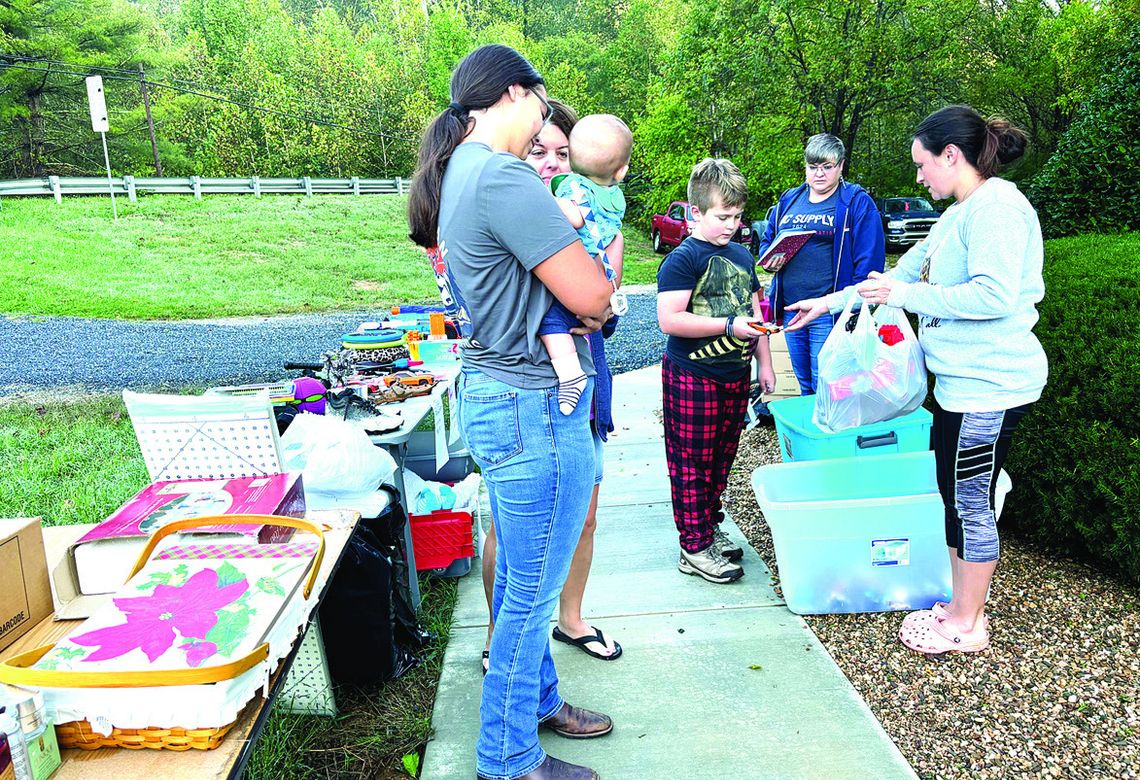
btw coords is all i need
(25, 592)
(777, 343)
(786, 384)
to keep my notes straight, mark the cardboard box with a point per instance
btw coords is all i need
(777, 343)
(275, 494)
(25, 592)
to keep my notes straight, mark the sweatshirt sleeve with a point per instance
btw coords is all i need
(995, 237)
(906, 270)
(869, 242)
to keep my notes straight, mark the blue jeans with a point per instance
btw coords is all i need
(803, 350)
(539, 468)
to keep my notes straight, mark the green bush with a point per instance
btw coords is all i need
(1091, 184)
(1075, 461)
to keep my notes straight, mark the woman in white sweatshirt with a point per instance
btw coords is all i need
(974, 284)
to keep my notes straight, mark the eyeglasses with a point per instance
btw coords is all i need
(547, 109)
(825, 168)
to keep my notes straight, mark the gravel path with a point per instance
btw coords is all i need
(80, 355)
(1056, 695)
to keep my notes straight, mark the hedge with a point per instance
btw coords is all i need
(1075, 461)
(1091, 183)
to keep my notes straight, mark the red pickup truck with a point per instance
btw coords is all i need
(668, 230)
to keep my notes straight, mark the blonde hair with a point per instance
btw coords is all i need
(600, 146)
(715, 177)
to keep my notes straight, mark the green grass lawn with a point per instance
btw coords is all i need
(68, 461)
(173, 257)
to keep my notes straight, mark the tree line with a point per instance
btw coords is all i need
(344, 87)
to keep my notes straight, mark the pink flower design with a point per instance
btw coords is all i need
(197, 652)
(151, 620)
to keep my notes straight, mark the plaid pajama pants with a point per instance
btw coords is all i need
(703, 420)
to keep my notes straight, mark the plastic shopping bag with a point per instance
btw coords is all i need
(866, 376)
(340, 466)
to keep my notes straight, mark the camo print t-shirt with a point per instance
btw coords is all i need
(722, 280)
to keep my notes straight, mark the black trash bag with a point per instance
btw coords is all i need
(370, 629)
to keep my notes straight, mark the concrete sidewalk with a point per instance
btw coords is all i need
(714, 681)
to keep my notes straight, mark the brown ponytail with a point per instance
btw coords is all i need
(986, 144)
(477, 82)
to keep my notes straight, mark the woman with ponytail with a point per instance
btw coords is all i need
(974, 284)
(504, 252)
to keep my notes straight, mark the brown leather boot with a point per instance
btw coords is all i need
(576, 723)
(553, 769)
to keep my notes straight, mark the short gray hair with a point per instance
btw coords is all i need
(824, 148)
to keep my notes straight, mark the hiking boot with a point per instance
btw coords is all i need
(710, 564)
(553, 769)
(725, 546)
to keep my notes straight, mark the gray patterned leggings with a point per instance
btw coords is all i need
(969, 450)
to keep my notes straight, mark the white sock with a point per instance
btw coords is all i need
(571, 382)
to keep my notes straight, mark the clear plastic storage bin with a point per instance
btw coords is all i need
(800, 439)
(858, 534)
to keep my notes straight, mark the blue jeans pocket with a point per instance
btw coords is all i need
(490, 420)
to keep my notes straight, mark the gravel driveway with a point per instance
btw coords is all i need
(38, 354)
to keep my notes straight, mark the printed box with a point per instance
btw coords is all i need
(102, 559)
(25, 592)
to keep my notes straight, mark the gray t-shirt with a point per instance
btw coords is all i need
(497, 222)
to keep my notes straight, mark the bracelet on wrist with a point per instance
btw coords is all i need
(728, 321)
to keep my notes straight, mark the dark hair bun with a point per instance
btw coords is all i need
(1011, 140)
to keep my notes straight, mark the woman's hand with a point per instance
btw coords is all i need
(876, 288)
(806, 311)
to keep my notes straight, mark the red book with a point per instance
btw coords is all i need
(784, 248)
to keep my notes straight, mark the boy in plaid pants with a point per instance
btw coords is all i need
(707, 299)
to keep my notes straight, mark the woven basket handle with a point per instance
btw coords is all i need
(17, 670)
(212, 520)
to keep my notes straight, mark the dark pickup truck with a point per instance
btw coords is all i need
(906, 221)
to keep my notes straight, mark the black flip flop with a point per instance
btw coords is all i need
(485, 662)
(582, 641)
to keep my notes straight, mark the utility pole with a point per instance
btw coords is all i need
(149, 121)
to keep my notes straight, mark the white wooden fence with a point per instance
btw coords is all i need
(131, 186)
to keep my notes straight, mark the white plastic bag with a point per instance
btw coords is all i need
(862, 379)
(341, 466)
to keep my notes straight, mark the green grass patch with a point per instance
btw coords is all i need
(380, 727)
(68, 461)
(641, 262)
(173, 257)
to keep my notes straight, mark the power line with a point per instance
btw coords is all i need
(134, 76)
(242, 104)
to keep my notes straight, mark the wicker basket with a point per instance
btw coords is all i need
(78, 734)
(21, 670)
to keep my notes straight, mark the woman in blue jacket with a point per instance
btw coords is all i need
(846, 247)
